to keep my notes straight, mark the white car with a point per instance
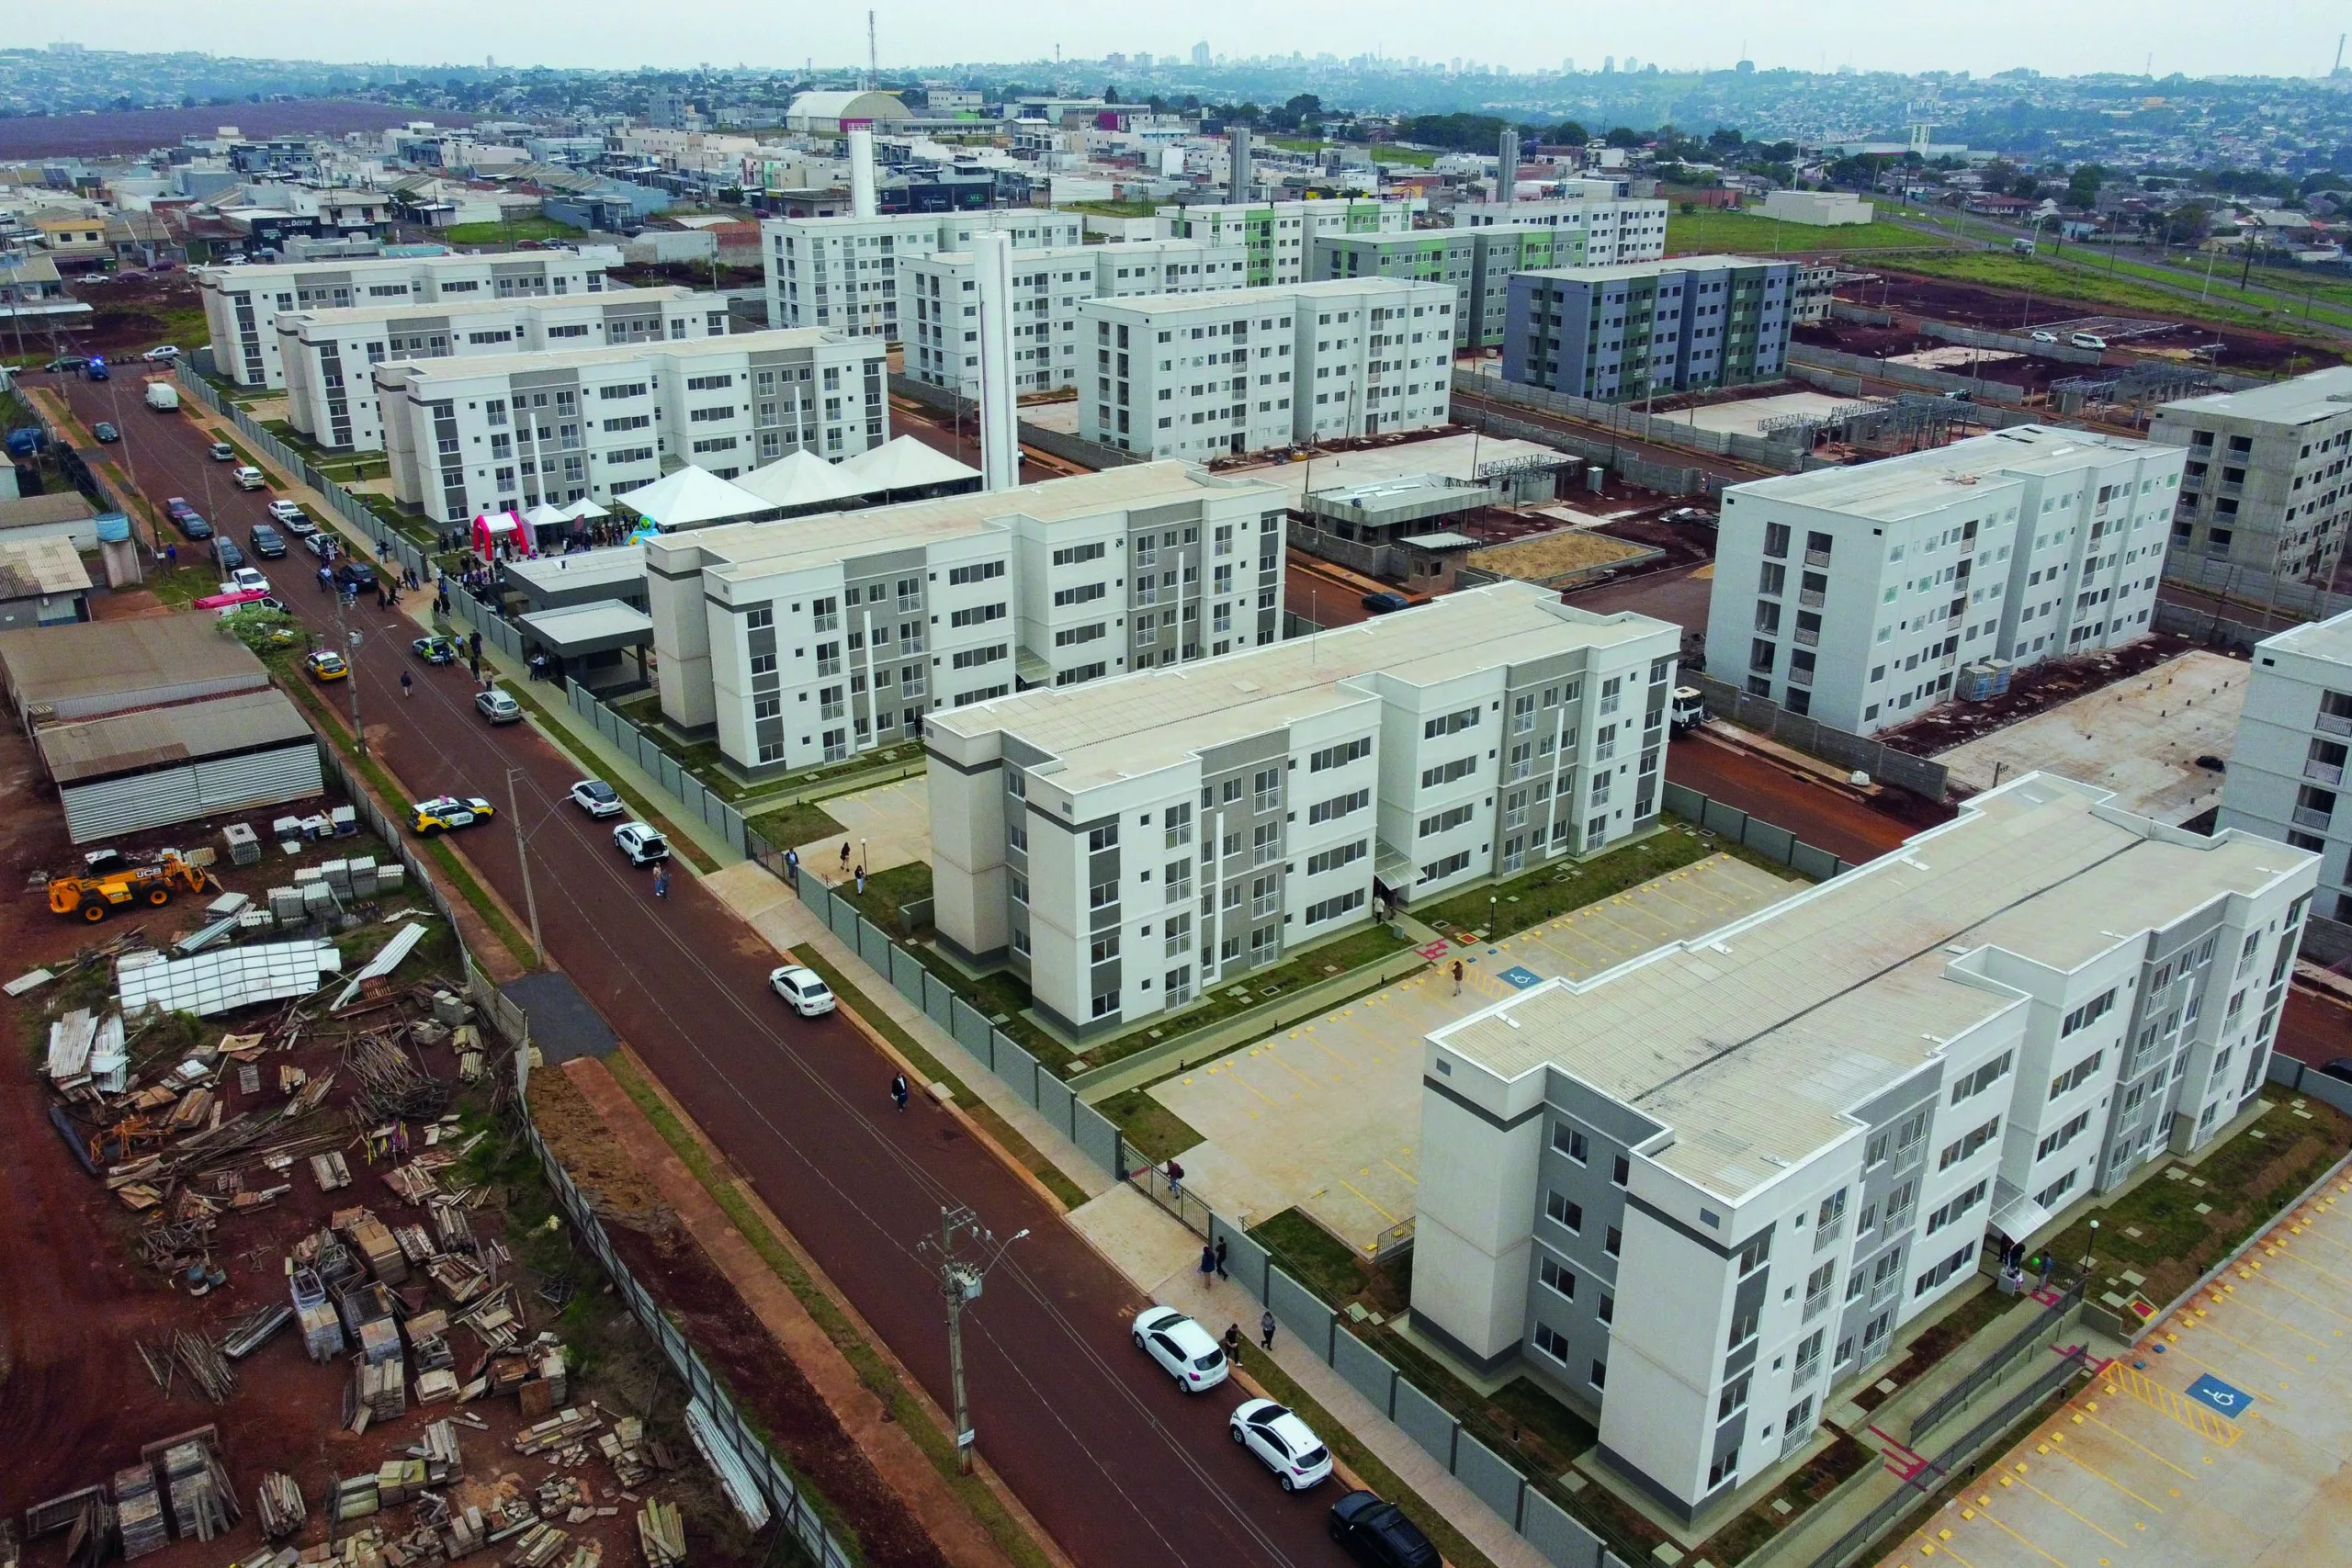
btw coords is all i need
(1284, 1443)
(162, 353)
(290, 514)
(246, 580)
(2087, 340)
(1183, 1349)
(249, 477)
(2041, 336)
(641, 843)
(597, 798)
(804, 989)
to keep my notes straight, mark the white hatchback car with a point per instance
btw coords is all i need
(1183, 1349)
(1284, 1443)
(804, 990)
(249, 477)
(246, 580)
(641, 843)
(597, 798)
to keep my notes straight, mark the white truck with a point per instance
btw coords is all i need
(1690, 710)
(163, 397)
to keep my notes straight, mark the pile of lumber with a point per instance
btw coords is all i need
(563, 1429)
(139, 1512)
(281, 1505)
(379, 1391)
(624, 1448)
(332, 1170)
(662, 1532)
(538, 1547)
(437, 1452)
(202, 1504)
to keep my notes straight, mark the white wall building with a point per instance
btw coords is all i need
(2265, 493)
(1279, 236)
(818, 637)
(1126, 846)
(845, 274)
(1823, 208)
(2288, 767)
(242, 303)
(943, 348)
(326, 353)
(506, 432)
(1778, 1143)
(1617, 227)
(1857, 594)
(1202, 374)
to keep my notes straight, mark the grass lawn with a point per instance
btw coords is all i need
(1821, 1475)
(1753, 234)
(1297, 143)
(1956, 1328)
(1151, 1128)
(2059, 285)
(2330, 302)
(1555, 888)
(1114, 209)
(1413, 157)
(789, 827)
(888, 892)
(510, 231)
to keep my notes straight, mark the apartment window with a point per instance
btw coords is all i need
(1599, 1377)
(959, 575)
(1449, 724)
(1733, 1398)
(1178, 879)
(1557, 1206)
(1558, 1277)
(1551, 1341)
(1975, 1083)
(1569, 1142)
(2090, 1012)
(1621, 1170)
(1968, 1144)
(1613, 1241)
(2077, 1075)
(1944, 1270)
(2052, 1142)
(1755, 1253)
(1178, 820)
(1776, 539)
(1960, 1204)
(1339, 805)
(1339, 756)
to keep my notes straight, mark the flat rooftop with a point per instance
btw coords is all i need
(2330, 639)
(142, 660)
(1139, 723)
(1892, 488)
(616, 565)
(762, 342)
(365, 315)
(2322, 394)
(1267, 294)
(1618, 272)
(1753, 1042)
(1443, 457)
(161, 737)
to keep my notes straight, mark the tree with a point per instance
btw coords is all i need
(1298, 110)
(2189, 223)
(2082, 185)
(1724, 140)
(1622, 136)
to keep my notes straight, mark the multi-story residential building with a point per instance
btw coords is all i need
(1779, 1143)
(2287, 769)
(1481, 260)
(845, 274)
(1544, 212)
(1126, 846)
(943, 348)
(808, 640)
(326, 353)
(1195, 376)
(1279, 236)
(508, 431)
(1619, 333)
(242, 303)
(2265, 491)
(1855, 594)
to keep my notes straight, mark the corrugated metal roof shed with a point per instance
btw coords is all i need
(102, 666)
(159, 737)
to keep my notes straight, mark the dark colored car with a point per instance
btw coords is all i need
(1376, 1534)
(1387, 604)
(2213, 764)
(98, 371)
(356, 574)
(269, 543)
(225, 551)
(192, 523)
(65, 362)
(2340, 1068)
(105, 433)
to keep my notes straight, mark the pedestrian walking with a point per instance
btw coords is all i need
(1220, 1259)
(1266, 1329)
(661, 880)
(861, 881)
(1232, 1342)
(1457, 976)
(1208, 1264)
(1175, 1180)
(792, 866)
(845, 857)
(172, 553)
(408, 686)
(898, 1091)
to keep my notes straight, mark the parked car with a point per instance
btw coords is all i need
(2339, 1067)
(98, 370)
(176, 507)
(2041, 336)
(326, 664)
(1185, 1350)
(221, 452)
(290, 514)
(435, 649)
(445, 812)
(67, 362)
(191, 524)
(245, 579)
(162, 353)
(497, 706)
(105, 433)
(2211, 763)
(802, 990)
(225, 552)
(163, 397)
(2087, 340)
(641, 843)
(269, 543)
(321, 545)
(598, 799)
(1690, 516)
(1281, 1442)
(249, 477)
(1387, 604)
(356, 574)
(1377, 1534)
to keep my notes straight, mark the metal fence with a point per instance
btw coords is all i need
(1632, 422)
(2051, 1322)
(1826, 742)
(1664, 478)
(1059, 442)
(686, 792)
(2253, 588)
(1752, 833)
(1978, 389)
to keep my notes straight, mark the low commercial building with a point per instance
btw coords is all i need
(1405, 529)
(847, 273)
(944, 349)
(2264, 490)
(1777, 1143)
(1619, 333)
(1279, 236)
(807, 641)
(62, 515)
(149, 769)
(62, 674)
(1821, 209)
(327, 355)
(2288, 766)
(1198, 375)
(242, 303)
(42, 583)
(507, 432)
(1125, 846)
(1857, 595)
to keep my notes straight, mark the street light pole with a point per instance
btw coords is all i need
(523, 856)
(959, 1282)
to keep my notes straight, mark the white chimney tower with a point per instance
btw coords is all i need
(1507, 170)
(1000, 442)
(1238, 172)
(861, 171)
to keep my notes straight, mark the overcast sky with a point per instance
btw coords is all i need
(2281, 38)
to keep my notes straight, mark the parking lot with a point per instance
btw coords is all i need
(2225, 1444)
(1324, 1115)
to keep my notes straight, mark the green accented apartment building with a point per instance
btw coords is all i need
(1280, 236)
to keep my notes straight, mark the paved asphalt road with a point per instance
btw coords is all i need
(1116, 1465)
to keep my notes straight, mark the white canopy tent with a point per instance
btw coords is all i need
(802, 479)
(692, 498)
(585, 510)
(905, 464)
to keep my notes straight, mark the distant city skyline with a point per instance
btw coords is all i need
(2296, 37)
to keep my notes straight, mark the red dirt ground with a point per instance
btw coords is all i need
(1851, 829)
(136, 131)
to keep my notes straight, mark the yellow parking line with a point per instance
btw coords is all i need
(2002, 1524)
(1402, 1171)
(1368, 1203)
(2090, 1414)
(2299, 1296)
(2059, 1440)
(2205, 1421)
(2272, 1317)
(2061, 1506)
(2210, 1327)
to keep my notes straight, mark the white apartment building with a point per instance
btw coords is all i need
(1613, 227)
(1202, 374)
(807, 641)
(504, 432)
(2286, 769)
(845, 274)
(1126, 846)
(326, 353)
(1857, 594)
(1279, 236)
(943, 348)
(242, 303)
(2265, 492)
(1779, 1143)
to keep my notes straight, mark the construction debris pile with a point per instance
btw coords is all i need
(179, 1491)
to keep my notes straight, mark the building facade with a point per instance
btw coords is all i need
(819, 637)
(943, 348)
(2288, 766)
(2265, 491)
(1127, 846)
(1620, 332)
(1857, 595)
(1200, 376)
(506, 432)
(327, 355)
(1279, 237)
(242, 303)
(845, 274)
(1779, 1143)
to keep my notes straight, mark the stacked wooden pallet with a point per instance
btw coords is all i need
(560, 1430)
(202, 1505)
(661, 1533)
(139, 1512)
(280, 1502)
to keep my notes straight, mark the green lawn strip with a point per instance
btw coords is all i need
(1149, 1128)
(1709, 230)
(873, 1370)
(1417, 157)
(1367, 1466)
(508, 231)
(1114, 209)
(2059, 285)
(1816, 1479)
(1558, 886)
(1938, 1339)
(2222, 286)
(888, 892)
(682, 845)
(789, 827)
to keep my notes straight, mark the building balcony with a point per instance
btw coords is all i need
(1805, 639)
(2325, 773)
(1801, 678)
(2333, 724)
(1811, 598)
(1815, 1305)
(2307, 817)
(829, 667)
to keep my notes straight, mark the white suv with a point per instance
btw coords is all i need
(249, 477)
(1185, 1350)
(641, 843)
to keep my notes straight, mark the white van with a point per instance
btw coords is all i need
(163, 395)
(2087, 340)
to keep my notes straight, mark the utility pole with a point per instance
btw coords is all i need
(522, 855)
(959, 1282)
